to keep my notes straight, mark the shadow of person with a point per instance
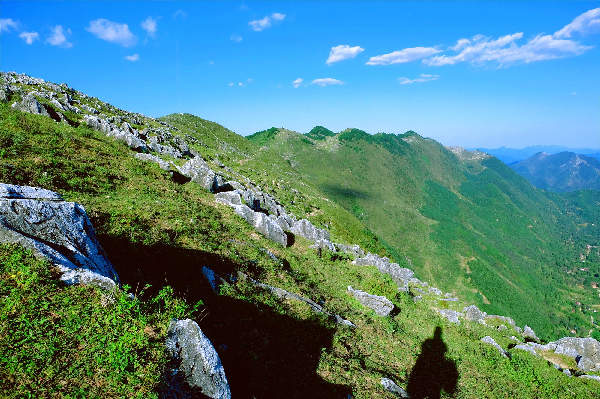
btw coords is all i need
(432, 372)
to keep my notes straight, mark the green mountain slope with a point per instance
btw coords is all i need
(565, 171)
(159, 230)
(463, 220)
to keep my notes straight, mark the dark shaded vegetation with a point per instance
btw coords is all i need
(319, 133)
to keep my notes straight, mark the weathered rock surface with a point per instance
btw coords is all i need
(489, 340)
(472, 313)
(305, 228)
(195, 367)
(164, 165)
(41, 221)
(380, 304)
(591, 377)
(263, 224)
(392, 387)
(401, 276)
(529, 333)
(199, 171)
(586, 351)
(451, 315)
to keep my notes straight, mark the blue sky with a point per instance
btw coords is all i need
(474, 74)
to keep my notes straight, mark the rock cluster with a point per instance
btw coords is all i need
(401, 276)
(41, 221)
(380, 304)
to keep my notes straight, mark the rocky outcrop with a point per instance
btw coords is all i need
(529, 333)
(60, 231)
(263, 224)
(164, 165)
(194, 368)
(451, 315)
(198, 170)
(472, 313)
(489, 340)
(585, 351)
(380, 304)
(401, 276)
(305, 228)
(392, 387)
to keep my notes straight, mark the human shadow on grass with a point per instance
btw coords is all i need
(433, 372)
(265, 354)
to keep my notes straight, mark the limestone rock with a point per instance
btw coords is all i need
(586, 351)
(591, 377)
(199, 171)
(528, 348)
(60, 231)
(324, 245)
(263, 224)
(305, 228)
(380, 304)
(529, 333)
(164, 165)
(451, 315)
(490, 340)
(472, 313)
(195, 367)
(401, 276)
(392, 387)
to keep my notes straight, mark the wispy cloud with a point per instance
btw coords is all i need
(586, 23)
(505, 51)
(29, 37)
(262, 24)
(422, 78)
(327, 82)
(236, 38)
(402, 56)
(6, 24)
(58, 38)
(133, 57)
(343, 52)
(149, 25)
(180, 14)
(296, 83)
(112, 32)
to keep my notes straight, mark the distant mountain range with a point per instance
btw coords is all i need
(512, 155)
(562, 172)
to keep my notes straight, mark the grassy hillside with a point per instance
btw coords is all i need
(466, 221)
(159, 233)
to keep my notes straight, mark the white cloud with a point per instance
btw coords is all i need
(149, 25)
(211, 63)
(586, 23)
(6, 24)
(422, 78)
(250, 81)
(461, 44)
(58, 37)
(112, 32)
(327, 81)
(241, 84)
(343, 52)
(506, 51)
(133, 57)
(236, 38)
(180, 14)
(574, 93)
(29, 37)
(401, 56)
(230, 84)
(296, 83)
(262, 24)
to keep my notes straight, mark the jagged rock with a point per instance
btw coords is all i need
(502, 328)
(305, 228)
(355, 249)
(41, 221)
(164, 165)
(586, 351)
(31, 105)
(529, 333)
(283, 294)
(195, 367)
(417, 298)
(231, 198)
(197, 170)
(527, 348)
(451, 315)
(285, 222)
(490, 340)
(401, 276)
(392, 387)
(435, 291)
(324, 245)
(472, 313)
(263, 224)
(380, 304)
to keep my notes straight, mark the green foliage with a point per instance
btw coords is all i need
(77, 341)
(263, 137)
(319, 133)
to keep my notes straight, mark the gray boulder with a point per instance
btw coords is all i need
(380, 304)
(392, 387)
(472, 313)
(529, 333)
(401, 276)
(31, 105)
(199, 171)
(451, 315)
(263, 224)
(591, 377)
(324, 245)
(195, 367)
(230, 198)
(164, 165)
(60, 231)
(305, 228)
(528, 348)
(355, 249)
(489, 340)
(586, 351)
